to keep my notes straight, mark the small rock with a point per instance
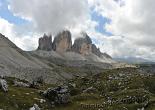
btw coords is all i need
(42, 101)
(35, 107)
(35, 85)
(27, 93)
(90, 90)
(141, 108)
(20, 84)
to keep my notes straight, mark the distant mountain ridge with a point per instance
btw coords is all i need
(134, 60)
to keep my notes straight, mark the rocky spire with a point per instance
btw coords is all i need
(82, 45)
(45, 43)
(62, 42)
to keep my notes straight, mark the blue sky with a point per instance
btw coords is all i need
(7, 15)
(101, 23)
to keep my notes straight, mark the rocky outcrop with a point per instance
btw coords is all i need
(3, 85)
(45, 43)
(21, 84)
(62, 42)
(82, 45)
(58, 95)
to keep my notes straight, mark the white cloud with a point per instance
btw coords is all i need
(27, 42)
(5, 27)
(132, 19)
(52, 15)
(22, 41)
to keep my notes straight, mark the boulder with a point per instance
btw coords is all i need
(62, 42)
(37, 82)
(58, 95)
(34, 84)
(35, 107)
(45, 43)
(4, 85)
(21, 84)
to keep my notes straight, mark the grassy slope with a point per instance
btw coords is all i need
(130, 83)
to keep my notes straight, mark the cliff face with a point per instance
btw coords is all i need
(83, 45)
(45, 43)
(62, 42)
(96, 50)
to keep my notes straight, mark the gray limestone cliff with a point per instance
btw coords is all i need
(62, 42)
(45, 43)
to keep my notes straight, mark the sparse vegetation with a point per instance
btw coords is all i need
(116, 89)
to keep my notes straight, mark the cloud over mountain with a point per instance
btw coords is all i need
(51, 15)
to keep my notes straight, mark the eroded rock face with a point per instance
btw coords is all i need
(83, 45)
(62, 42)
(45, 43)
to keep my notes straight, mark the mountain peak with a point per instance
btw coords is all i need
(45, 43)
(63, 43)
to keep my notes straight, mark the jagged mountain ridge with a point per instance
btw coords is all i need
(134, 60)
(82, 49)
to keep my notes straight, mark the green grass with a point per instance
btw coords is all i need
(18, 98)
(129, 84)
